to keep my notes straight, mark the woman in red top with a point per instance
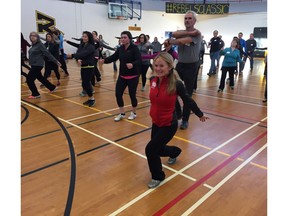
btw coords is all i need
(165, 87)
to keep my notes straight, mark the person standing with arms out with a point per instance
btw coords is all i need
(251, 45)
(221, 45)
(189, 44)
(229, 64)
(157, 45)
(60, 36)
(243, 53)
(53, 48)
(130, 60)
(37, 52)
(165, 87)
(85, 58)
(214, 45)
(144, 46)
(24, 45)
(202, 50)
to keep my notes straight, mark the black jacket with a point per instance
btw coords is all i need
(131, 55)
(85, 52)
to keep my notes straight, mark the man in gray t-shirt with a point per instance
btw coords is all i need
(189, 44)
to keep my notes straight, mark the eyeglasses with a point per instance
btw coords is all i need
(186, 18)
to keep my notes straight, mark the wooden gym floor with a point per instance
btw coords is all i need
(76, 160)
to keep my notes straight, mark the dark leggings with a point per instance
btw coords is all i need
(96, 72)
(49, 66)
(144, 69)
(35, 73)
(62, 61)
(86, 76)
(121, 85)
(188, 73)
(157, 147)
(231, 71)
(26, 66)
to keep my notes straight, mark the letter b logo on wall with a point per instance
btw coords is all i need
(44, 22)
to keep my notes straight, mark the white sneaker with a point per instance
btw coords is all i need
(132, 116)
(119, 117)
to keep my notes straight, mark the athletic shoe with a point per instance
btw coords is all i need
(89, 103)
(132, 116)
(119, 117)
(153, 183)
(184, 125)
(58, 83)
(34, 97)
(83, 93)
(143, 89)
(171, 161)
(54, 90)
(220, 90)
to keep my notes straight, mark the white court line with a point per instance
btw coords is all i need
(105, 111)
(32, 106)
(182, 170)
(242, 102)
(175, 171)
(207, 195)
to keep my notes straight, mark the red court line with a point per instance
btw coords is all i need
(232, 115)
(204, 178)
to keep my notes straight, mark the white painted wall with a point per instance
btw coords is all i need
(73, 18)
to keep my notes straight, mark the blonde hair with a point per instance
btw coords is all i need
(173, 75)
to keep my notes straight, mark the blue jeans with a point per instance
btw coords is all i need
(214, 57)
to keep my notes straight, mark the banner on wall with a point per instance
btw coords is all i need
(182, 8)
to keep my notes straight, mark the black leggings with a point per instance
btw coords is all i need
(49, 66)
(121, 85)
(144, 69)
(62, 61)
(86, 76)
(188, 73)
(157, 147)
(231, 71)
(96, 72)
(35, 73)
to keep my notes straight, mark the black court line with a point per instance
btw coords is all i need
(90, 121)
(26, 114)
(72, 158)
(82, 153)
(44, 167)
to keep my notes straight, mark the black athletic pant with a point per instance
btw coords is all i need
(35, 73)
(86, 75)
(26, 66)
(231, 71)
(96, 72)
(121, 85)
(144, 68)
(49, 66)
(157, 147)
(62, 61)
(188, 73)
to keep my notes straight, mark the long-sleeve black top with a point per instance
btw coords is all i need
(85, 52)
(53, 48)
(129, 55)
